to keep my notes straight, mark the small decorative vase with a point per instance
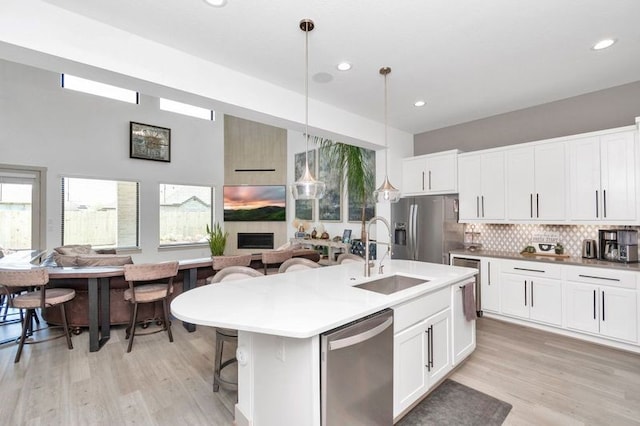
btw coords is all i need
(314, 233)
(325, 235)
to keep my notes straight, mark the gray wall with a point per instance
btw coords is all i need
(605, 109)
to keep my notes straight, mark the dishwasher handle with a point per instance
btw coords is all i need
(361, 337)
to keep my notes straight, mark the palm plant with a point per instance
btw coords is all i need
(217, 239)
(351, 163)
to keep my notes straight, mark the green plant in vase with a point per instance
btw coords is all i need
(217, 239)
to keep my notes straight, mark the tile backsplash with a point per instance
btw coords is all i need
(514, 238)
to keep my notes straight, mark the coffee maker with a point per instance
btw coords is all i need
(618, 245)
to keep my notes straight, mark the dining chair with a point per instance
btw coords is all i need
(275, 257)
(349, 258)
(297, 264)
(228, 335)
(149, 283)
(27, 290)
(220, 262)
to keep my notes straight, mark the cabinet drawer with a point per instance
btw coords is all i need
(608, 277)
(532, 269)
(416, 310)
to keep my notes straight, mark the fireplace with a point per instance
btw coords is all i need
(255, 240)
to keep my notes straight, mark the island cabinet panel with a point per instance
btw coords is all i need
(602, 178)
(464, 332)
(421, 359)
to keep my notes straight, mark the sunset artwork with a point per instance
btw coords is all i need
(260, 203)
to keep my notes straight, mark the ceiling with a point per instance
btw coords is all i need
(467, 59)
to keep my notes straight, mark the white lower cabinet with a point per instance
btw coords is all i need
(603, 304)
(531, 297)
(421, 358)
(464, 332)
(490, 284)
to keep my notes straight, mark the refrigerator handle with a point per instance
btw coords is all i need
(410, 232)
(416, 242)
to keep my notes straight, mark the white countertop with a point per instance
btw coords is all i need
(303, 304)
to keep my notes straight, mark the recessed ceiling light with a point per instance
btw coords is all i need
(216, 3)
(419, 103)
(344, 66)
(603, 44)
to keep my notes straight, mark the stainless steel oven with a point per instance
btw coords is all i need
(475, 264)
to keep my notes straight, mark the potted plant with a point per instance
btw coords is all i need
(350, 161)
(217, 239)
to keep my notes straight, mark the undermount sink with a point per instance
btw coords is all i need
(391, 284)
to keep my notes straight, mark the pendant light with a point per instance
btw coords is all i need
(386, 192)
(307, 188)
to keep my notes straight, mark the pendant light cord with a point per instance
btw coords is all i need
(386, 146)
(306, 95)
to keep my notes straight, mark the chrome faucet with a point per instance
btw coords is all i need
(367, 264)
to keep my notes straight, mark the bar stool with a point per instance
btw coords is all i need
(149, 283)
(38, 298)
(297, 264)
(275, 257)
(228, 335)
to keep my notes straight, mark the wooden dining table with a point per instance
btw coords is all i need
(98, 285)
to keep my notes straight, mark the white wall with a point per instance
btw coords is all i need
(81, 135)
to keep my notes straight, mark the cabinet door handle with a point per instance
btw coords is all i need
(598, 278)
(529, 270)
(482, 206)
(429, 179)
(525, 292)
(488, 273)
(477, 206)
(596, 203)
(423, 181)
(594, 304)
(429, 332)
(431, 346)
(531, 205)
(602, 305)
(537, 205)
(604, 203)
(532, 294)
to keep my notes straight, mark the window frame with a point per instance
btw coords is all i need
(38, 200)
(137, 245)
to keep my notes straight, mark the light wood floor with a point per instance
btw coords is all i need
(549, 380)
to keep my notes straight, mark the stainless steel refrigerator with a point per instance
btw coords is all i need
(426, 228)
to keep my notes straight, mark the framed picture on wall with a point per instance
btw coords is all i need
(149, 142)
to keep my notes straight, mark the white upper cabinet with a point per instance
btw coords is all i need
(481, 186)
(602, 178)
(536, 183)
(430, 174)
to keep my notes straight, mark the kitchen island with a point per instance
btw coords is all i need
(280, 317)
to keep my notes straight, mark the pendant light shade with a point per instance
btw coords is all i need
(386, 192)
(307, 188)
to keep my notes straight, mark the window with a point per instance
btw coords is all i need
(78, 84)
(185, 212)
(186, 109)
(21, 211)
(103, 213)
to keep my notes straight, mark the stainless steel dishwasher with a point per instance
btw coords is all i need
(356, 368)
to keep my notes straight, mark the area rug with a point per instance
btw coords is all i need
(455, 404)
